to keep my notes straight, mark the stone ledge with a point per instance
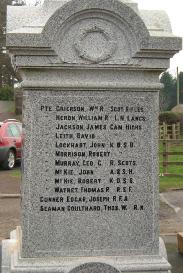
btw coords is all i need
(13, 262)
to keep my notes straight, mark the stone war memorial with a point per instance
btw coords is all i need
(90, 77)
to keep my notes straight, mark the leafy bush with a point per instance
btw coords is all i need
(181, 121)
(170, 117)
(6, 93)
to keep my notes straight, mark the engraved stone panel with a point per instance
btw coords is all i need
(95, 44)
(90, 77)
(119, 24)
(93, 40)
(94, 267)
(90, 169)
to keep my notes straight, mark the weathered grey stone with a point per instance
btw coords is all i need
(125, 25)
(90, 72)
(18, 101)
(142, 264)
(114, 226)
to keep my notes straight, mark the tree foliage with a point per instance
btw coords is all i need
(6, 93)
(5, 66)
(7, 74)
(181, 86)
(170, 117)
(168, 95)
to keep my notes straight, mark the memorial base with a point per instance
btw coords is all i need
(12, 262)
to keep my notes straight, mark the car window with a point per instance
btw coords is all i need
(13, 130)
(9, 132)
(19, 126)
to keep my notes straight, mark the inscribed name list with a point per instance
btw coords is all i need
(93, 153)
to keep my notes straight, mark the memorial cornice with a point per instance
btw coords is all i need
(150, 45)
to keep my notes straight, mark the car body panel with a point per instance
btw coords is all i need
(3, 153)
(10, 138)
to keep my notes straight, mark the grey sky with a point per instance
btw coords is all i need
(174, 10)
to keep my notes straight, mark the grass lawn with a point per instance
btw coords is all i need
(167, 182)
(16, 173)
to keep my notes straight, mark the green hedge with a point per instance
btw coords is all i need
(170, 117)
(6, 93)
